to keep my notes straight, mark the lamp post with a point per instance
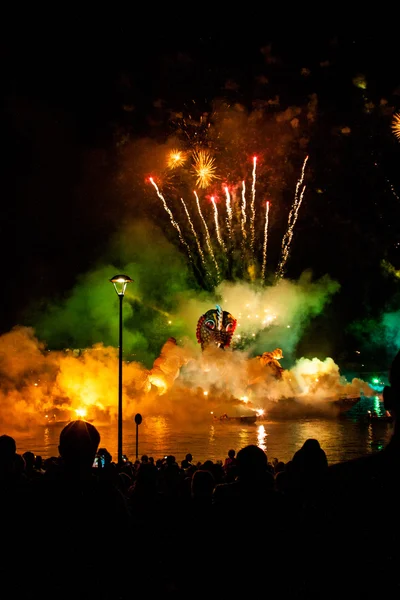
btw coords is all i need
(120, 282)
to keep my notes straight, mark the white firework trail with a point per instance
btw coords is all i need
(243, 220)
(228, 212)
(208, 238)
(174, 223)
(253, 207)
(288, 237)
(264, 262)
(294, 212)
(196, 237)
(217, 229)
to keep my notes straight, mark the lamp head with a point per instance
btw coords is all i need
(120, 282)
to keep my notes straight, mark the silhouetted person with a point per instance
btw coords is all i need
(15, 514)
(254, 482)
(202, 488)
(249, 516)
(30, 465)
(361, 527)
(230, 466)
(8, 451)
(308, 469)
(79, 515)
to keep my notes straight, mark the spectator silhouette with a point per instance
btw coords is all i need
(30, 465)
(248, 510)
(360, 507)
(230, 466)
(8, 451)
(76, 513)
(254, 480)
(202, 487)
(15, 514)
(308, 468)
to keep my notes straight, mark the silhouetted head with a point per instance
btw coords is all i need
(29, 458)
(105, 453)
(311, 445)
(208, 465)
(189, 457)
(252, 462)
(8, 450)
(310, 460)
(79, 441)
(231, 453)
(202, 484)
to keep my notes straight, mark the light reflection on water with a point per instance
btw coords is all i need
(341, 439)
(262, 438)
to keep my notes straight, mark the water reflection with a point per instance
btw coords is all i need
(212, 434)
(341, 439)
(244, 436)
(262, 438)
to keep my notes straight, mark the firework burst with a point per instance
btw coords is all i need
(396, 125)
(204, 168)
(175, 159)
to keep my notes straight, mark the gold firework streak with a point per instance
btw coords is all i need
(174, 223)
(264, 263)
(196, 237)
(228, 212)
(208, 238)
(176, 158)
(252, 206)
(396, 125)
(204, 168)
(217, 229)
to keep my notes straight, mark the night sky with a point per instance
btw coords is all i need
(82, 95)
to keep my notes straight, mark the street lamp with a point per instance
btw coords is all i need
(120, 282)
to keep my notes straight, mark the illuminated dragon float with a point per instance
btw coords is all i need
(217, 326)
(215, 329)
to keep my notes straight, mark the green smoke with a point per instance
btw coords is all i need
(298, 302)
(89, 314)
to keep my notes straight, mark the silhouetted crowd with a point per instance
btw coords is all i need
(80, 525)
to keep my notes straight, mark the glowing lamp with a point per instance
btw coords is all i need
(120, 282)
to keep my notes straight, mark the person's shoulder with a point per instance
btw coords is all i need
(225, 490)
(354, 477)
(356, 467)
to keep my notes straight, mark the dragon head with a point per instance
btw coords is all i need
(216, 326)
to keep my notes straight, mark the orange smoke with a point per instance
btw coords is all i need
(184, 383)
